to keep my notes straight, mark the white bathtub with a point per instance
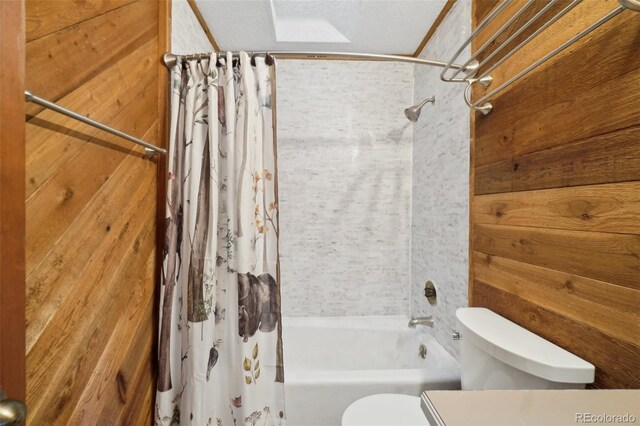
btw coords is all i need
(332, 361)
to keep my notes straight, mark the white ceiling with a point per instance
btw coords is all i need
(371, 26)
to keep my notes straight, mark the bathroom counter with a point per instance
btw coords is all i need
(532, 407)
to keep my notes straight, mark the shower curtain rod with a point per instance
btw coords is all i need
(170, 59)
(149, 149)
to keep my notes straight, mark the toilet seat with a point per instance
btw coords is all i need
(385, 410)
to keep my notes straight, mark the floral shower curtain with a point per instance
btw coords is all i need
(220, 350)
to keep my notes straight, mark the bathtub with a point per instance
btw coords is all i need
(332, 361)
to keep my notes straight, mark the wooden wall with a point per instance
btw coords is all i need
(556, 193)
(12, 211)
(91, 209)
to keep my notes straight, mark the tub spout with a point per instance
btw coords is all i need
(421, 321)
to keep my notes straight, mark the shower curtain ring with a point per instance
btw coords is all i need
(269, 59)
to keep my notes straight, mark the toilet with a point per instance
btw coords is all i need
(495, 354)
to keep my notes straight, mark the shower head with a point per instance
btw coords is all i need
(413, 112)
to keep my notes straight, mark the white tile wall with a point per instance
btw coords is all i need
(344, 159)
(187, 36)
(440, 184)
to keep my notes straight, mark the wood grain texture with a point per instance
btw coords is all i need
(89, 294)
(481, 9)
(500, 20)
(522, 12)
(99, 330)
(111, 383)
(556, 176)
(91, 204)
(53, 140)
(540, 129)
(122, 362)
(611, 157)
(67, 262)
(614, 258)
(45, 16)
(57, 203)
(577, 19)
(615, 360)
(434, 27)
(613, 208)
(12, 210)
(75, 55)
(611, 308)
(579, 81)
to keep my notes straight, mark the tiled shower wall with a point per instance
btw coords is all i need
(440, 187)
(344, 159)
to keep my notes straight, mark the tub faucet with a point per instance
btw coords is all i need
(421, 321)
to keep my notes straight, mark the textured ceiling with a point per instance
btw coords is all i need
(373, 26)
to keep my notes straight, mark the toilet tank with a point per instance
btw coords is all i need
(496, 353)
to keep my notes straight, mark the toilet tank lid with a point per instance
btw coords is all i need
(520, 348)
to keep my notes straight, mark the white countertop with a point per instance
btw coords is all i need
(532, 407)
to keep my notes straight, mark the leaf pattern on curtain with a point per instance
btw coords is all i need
(220, 350)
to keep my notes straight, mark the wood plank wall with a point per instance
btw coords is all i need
(556, 192)
(91, 209)
(12, 210)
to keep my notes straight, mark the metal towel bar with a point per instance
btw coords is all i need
(149, 149)
(450, 73)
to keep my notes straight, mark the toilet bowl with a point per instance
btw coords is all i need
(495, 354)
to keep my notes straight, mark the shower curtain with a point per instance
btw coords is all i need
(220, 345)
